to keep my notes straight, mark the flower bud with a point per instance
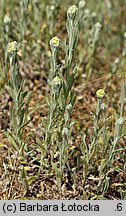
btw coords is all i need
(69, 106)
(93, 14)
(72, 12)
(65, 131)
(82, 4)
(98, 25)
(117, 61)
(52, 7)
(120, 121)
(7, 19)
(87, 11)
(125, 35)
(56, 83)
(100, 93)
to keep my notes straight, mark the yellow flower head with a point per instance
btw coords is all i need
(55, 42)
(100, 93)
(72, 12)
(12, 47)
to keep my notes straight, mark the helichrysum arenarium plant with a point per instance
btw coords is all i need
(92, 151)
(62, 98)
(6, 35)
(72, 30)
(81, 6)
(95, 35)
(118, 65)
(6, 38)
(51, 13)
(100, 147)
(23, 18)
(55, 86)
(109, 151)
(17, 110)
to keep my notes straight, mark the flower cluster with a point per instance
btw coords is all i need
(100, 93)
(56, 82)
(12, 47)
(55, 42)
(72, 12)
